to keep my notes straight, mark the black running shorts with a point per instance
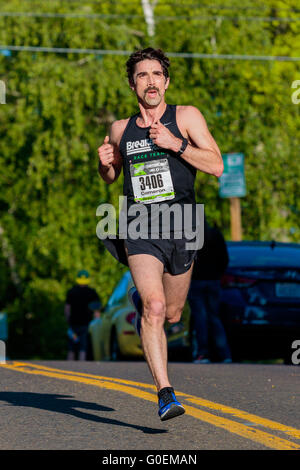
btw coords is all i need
(171, 252)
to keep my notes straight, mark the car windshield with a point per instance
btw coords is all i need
(264, 256)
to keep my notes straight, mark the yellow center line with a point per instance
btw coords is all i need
(130, 388)
(267, 423)
(257, 420)
(85, 374)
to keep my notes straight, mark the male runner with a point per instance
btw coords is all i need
(173, 142)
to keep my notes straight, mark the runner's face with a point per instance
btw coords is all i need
(149, 82)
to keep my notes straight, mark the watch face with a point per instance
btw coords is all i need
(183, 146)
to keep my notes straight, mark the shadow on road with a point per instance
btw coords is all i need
(67, 405)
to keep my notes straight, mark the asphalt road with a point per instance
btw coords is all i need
(62, 405)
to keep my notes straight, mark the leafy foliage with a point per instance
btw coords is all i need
(60, 107)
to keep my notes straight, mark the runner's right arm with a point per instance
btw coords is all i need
(110, 160)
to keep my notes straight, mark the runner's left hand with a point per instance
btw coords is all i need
(162, 137)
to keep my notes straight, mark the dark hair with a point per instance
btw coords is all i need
(148, 53)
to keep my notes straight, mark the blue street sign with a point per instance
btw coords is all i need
(232, 182)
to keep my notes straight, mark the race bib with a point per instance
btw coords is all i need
(152, 181)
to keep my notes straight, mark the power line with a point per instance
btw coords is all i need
(221, 7)
(228, 18)
(157, 17)
(182, 5)
(185, 55)
(66, 15)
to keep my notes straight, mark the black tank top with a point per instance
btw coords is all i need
(142, 162)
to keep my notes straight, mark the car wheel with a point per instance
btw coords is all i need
(115, 353)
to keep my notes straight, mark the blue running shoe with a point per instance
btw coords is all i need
(169, 406)
(136, 302)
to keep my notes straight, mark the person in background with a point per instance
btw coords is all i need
(204, 297)
(82, 305)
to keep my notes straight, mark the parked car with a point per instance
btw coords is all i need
(260, 305)
(260, 309)
(113, 337)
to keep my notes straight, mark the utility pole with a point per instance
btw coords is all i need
(236, 219)
(148, 8)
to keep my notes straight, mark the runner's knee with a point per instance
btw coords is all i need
(154, 309)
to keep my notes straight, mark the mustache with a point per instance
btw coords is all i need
(151, 88)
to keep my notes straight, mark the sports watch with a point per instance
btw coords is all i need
(183, 147)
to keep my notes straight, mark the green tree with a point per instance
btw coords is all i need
(60, 107)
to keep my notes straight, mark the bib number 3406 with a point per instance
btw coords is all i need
(151, 182)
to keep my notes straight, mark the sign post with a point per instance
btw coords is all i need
(233, 186)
